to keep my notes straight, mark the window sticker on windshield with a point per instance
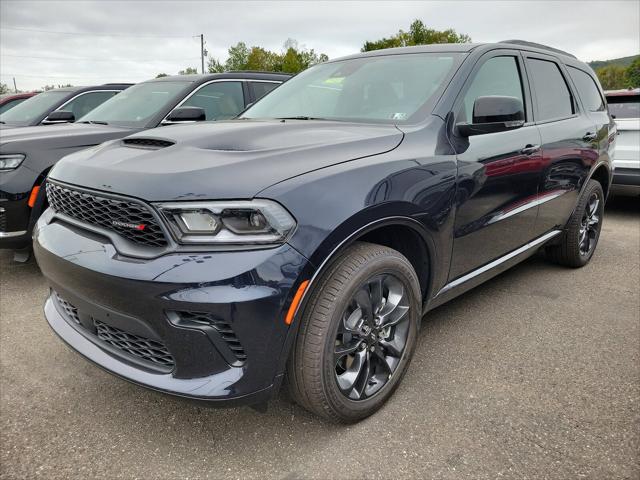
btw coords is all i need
(334, 80)
(398, 116)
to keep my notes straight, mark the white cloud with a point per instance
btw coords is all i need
(591, 30)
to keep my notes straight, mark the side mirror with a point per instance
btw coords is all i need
(185, 115)
(59, 116)
(494, 114)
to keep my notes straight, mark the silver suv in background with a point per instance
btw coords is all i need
(624, 106)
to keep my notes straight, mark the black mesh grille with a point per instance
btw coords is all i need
(70, 310)
(3, 220)
(132, 220)
(145, 348)
(223, 328)
(151, 143)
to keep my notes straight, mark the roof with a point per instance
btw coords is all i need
(249, 75)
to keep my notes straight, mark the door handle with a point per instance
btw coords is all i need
(530, 149)
(589, 137)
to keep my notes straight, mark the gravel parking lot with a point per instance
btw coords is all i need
(535, 374)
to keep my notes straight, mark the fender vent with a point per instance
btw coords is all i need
(148, 143)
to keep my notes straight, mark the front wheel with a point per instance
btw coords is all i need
(357, 335)
(582, 233)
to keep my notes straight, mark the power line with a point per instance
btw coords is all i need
(146, 60)
(93, 34)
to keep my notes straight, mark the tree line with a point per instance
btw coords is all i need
(615, 77)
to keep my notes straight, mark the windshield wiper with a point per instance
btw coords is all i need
(95, 122)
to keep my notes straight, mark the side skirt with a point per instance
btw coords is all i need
(480, 275)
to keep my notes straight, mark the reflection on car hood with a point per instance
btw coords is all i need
(232, 159)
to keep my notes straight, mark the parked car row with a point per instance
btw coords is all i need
(8, 100)
(302, 240)
(27, 154)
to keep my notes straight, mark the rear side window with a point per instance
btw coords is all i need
(260, 89)
(552, 93)
(587, 89)
(499, 76)
(624, 106)
(219, 100)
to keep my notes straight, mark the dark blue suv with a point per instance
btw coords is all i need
(306, 239)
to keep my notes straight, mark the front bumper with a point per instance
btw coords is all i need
(14, 221)
(219, 316)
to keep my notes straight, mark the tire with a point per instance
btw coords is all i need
(573, 249)
(337, 317)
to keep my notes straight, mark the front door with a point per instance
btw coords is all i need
(498, 173)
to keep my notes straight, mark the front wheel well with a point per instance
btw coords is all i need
(409, 243)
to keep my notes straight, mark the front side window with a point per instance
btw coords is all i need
(498, 76)
(137, 105)
(587, 89)
(624, 106)
(33, 108)
(86, 102)
(379, 89)
(552, 93)
(219, 100)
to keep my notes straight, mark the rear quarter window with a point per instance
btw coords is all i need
(587, 89)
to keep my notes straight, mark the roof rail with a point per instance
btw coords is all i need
(258, 71)
(538, 45)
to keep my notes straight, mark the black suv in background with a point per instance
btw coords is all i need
(27, 154)
(309, 237)
(60, 105)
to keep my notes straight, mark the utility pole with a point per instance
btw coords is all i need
(14, 85)
(202, 51)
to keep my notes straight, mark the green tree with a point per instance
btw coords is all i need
(632, 74)
(214, 66)
(188, 71)
(238, 57)
(160, 75)
(3, 88)
(418, 34)
(612, 77)
(264, 60)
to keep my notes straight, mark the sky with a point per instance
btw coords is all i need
(131, 41)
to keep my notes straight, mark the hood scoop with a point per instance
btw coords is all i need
(147, 143)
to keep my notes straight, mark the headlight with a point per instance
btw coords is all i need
(10, 161)
(228, 222)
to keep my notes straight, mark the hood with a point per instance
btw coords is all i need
(222, 160)
(44, 145)
(54, 133)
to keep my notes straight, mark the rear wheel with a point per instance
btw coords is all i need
(357, 335)
(582, 233)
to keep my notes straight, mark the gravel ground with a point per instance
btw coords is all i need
(535, 374)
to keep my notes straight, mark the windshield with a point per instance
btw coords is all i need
(380, 89)
(35, 107)
(624, 106)
(136, 105)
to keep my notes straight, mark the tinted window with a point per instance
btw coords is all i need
(10, 104)
(34, 107)
(260, 89)
(624, 106)
(219, 100)
(587, 89)
(498, 76)
(135, 106)
(552, 94)
(86, 102)
(386, 88)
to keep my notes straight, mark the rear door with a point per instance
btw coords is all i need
(569, 138)
(498, 173)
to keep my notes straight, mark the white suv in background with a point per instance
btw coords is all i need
(624, 106)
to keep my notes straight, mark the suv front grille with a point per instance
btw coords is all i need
(221, 326)
(141, 347)
(130, 219)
